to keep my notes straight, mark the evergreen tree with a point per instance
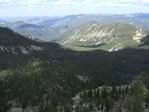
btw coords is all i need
(41, 108)
(108, 103)
(126, 89)
(90, 93)
(136, 100)
(147, 100)
(84, 95)
(67, 109)
(113, 91)
(90, 106)
(51, 108)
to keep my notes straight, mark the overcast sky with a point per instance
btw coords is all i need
(16, 8)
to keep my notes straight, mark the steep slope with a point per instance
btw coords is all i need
(145, 40)
(10, 38)
(12, 42)
(111, 36)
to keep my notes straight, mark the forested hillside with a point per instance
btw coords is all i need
(55, 79)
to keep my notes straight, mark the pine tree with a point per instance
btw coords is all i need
(51, 108)
(136, 100)
(113, 90)
(90, 106)
(147, 100)
(67, 109)
(108, 103)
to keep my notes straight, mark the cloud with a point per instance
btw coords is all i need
(129, 0)
(65, 2)
(35, 1)
(145, 1)
(22, 1)
(64, 7)
(4, 0)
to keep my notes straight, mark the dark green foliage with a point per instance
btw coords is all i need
(33, 80)
(108, 103)
(147, 100)
(145, 40)
(10, 38)
(136, 100)
(67, 109)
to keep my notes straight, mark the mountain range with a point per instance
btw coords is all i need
(75, 20)
(140, 15)
(45, 27)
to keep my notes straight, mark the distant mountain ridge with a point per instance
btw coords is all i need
(29, 26)
(111, 37)
(141, 15)
(45, 27)
(42, 33)
(75, 20)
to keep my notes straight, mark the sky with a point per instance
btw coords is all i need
(22, 8)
